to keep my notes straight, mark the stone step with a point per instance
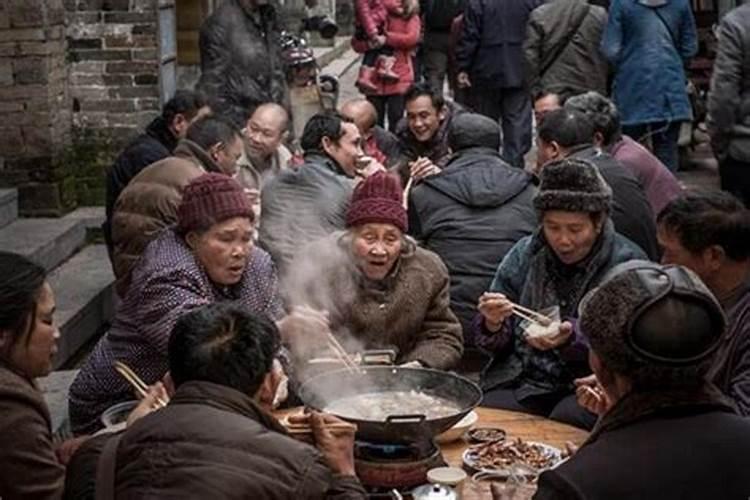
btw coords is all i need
(47, 241)
(84, 295)
(92, 217)
(8, 206)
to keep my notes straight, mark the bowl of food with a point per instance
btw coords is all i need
(117, 414)
(458, 429)
(486, 434)
(536, 329)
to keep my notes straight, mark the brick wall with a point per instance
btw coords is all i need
(34, 102)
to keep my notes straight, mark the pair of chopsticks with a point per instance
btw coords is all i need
(530, 315)
(341, 353)
(306, 429)
(407, 189)
(134, 380)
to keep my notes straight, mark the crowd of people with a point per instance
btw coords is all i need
(410, 222)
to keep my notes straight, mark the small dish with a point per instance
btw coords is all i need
(458, 429)
(486, 434)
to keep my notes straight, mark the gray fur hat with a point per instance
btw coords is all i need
(470, 130)
(648, 314)
(573, 185)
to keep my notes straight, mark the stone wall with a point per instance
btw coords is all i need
(34, 103)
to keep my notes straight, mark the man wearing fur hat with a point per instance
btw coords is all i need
(669, 434)
(379, 289)
(550, 271)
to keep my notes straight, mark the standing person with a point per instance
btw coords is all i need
(729, 103)
(402, 35)
(571, 251)
(489, 61)
(369, 34)
(649, 42)
(241, 65)
(438, 18)
(156, 143)
(561, 48)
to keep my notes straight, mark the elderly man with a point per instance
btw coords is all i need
(149, 203)
(566, 133)
(669, 434)
(301, 205)
(156, 143)
(377, 142)
(709, 233)
(659, 184)
(478, 198)
(265, 154)
(546, 101)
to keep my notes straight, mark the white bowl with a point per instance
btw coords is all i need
(458, 429)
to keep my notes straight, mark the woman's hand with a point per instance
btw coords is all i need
(463, 81)
(552, 341)
(150, 403)
(68, 448)
(496, 308)
(591, 395)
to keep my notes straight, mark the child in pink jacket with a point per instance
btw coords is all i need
(377, 63)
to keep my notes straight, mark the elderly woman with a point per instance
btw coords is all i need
(208, 257)
(378, 287)
(575, 245)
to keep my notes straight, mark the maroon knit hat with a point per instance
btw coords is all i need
(209, 199)
(378, 198)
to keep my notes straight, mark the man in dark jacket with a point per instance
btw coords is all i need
(438, 16)
(729, 103)
(669, 434)
(241, 64)
(216, 438)
(561, 48)
(472, 212)
(489, 59)
(566, 133)
(303, 204)
(156, 143)
(709, 233)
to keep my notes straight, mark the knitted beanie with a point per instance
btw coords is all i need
(210, 199)
(573, 185)
(627, 329)
(379, 199)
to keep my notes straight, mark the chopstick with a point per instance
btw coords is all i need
(339, 350)
(531, 315)
(134, 380)
(407, 189)
(306, 429)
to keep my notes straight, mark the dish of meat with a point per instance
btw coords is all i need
(505, 457)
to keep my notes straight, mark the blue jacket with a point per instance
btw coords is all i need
(649, 84)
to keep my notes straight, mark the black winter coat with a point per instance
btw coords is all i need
(155, 144)
(491, 47)
(666, 446)
(241, 65)
(471, 214)
(631, 211)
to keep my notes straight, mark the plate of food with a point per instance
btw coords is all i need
(504, 458)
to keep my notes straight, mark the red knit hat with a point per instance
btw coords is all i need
(209, 199)
(379, 198)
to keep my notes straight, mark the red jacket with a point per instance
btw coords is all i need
(371, 17)
(402, 34)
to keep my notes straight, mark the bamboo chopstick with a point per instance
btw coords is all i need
(134, 380)
(407, 189)
(539, 317)
(342, 354)
(306, 429)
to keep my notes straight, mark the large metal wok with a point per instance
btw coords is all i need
(320, 391)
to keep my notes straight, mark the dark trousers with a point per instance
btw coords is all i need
(735, 178)
(391, 106)
(435, 58)
(371, 56)
(663, 135)
(559, 407)
(512, 107)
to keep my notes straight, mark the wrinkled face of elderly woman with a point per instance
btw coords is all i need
(571, 235)
(376, 247)
(223, 249)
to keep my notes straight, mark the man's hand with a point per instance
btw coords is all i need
(591, 395)
(462, 79)
(367, 165)
(496, 308)
(422, 167)
(150, 403)
(336, 445)
(552, 341)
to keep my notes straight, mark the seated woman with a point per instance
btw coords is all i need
(379, 289)
(208, 257)
(566, 257)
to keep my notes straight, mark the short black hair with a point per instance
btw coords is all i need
(602, 112)
(425, 89)
(566, 127)
(211, 130)
(224, 344)
(326, 124)
(701, 219)
(21, 282)
(184, 102)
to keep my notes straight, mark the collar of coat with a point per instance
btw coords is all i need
(640, 405)
(325, 161)
(191, 151)
(159, 130)
(226, 399)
